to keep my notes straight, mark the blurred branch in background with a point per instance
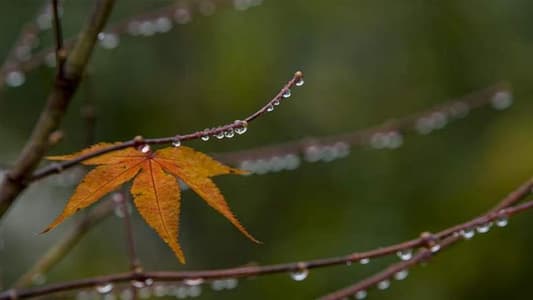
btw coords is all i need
(21, 51)
(144, 24)
(389, 135)
(58, 251)
(429, 245)
(63, 90)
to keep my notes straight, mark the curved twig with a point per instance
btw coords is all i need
(138, 141)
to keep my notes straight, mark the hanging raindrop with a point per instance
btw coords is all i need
(104, 288)
(275, 102)
(176, 143)
(205, 136)
(108, 40)
(270, 108)
(383, 285)
(361, 295)
(502, 221)
(406, 254)
(286, 93)
(484, 228)
(220, 135)
(502, 100)
(148, 281)
(145, 149)
(229, 133)
(139, 284)
(193, 281)
(300, 274)
(15, 79)
(300, 82)
(467, 233)
(435, 248)
(364, 261)
(163, 24)
(401, 275)
(242, 127)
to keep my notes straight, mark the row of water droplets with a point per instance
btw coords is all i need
(469, 233)
(145, 289)
(239, 127)
(164, 23)
(500, 100)
(110, 40)
(24, 52)
(386, 139)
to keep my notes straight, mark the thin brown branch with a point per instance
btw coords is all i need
(219, 132)
(121, 201)
(423, 255)
(21, 50)
(58, 34)
(59, 250)
(308, 147)
(181, 12)
(57, 103)
(441, 239)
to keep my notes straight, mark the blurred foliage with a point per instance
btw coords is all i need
(364, 61)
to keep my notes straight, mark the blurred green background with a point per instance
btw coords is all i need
(364, 62)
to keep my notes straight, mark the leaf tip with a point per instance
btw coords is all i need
(239, 171)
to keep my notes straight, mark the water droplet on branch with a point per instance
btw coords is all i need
(467, 233)
(286, 93)
(502, 221)
(361, 295)
(104, 288)
(484, 228)
(401, 275)
(300, 275)
(364, 261)
(406, 254)
(15, 78)
(383, 285)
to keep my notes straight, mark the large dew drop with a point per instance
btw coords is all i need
(383, 285)
(104, 288)
(299, 275)
(406, 254)
(360, 295)
(15, 79)
(468, 233)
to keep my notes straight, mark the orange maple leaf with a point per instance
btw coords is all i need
(155, 191)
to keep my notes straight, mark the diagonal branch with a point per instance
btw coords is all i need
(58, 100)
(441, 241)
(426, 242)
(58, 34)
(57, 252)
